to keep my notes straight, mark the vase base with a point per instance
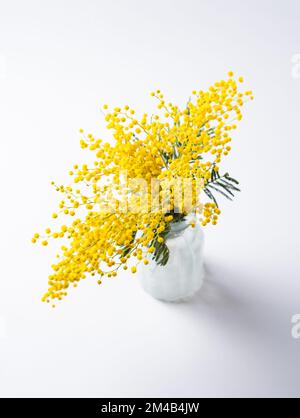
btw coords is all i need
(163, 296)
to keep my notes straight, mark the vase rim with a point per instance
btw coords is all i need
(178, 227)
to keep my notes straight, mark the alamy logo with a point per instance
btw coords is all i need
(296, 326)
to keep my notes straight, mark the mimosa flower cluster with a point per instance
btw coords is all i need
(120, 208)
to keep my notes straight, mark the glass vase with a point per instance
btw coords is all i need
(183, 275)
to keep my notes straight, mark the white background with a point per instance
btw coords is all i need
(59, 62)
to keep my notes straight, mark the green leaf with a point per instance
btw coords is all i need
(232, 180)
(230, 185)
(211, 196)
(226, 188)
(219, 191)
(161, 253)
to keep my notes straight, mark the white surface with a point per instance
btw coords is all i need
(59, 62)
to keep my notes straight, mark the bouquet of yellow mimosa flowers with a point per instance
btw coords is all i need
(156, 170)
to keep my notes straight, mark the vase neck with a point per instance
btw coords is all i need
(177, 229)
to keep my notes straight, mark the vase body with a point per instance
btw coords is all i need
(183, 275)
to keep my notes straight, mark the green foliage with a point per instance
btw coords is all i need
(161, 252)
(225, 185)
